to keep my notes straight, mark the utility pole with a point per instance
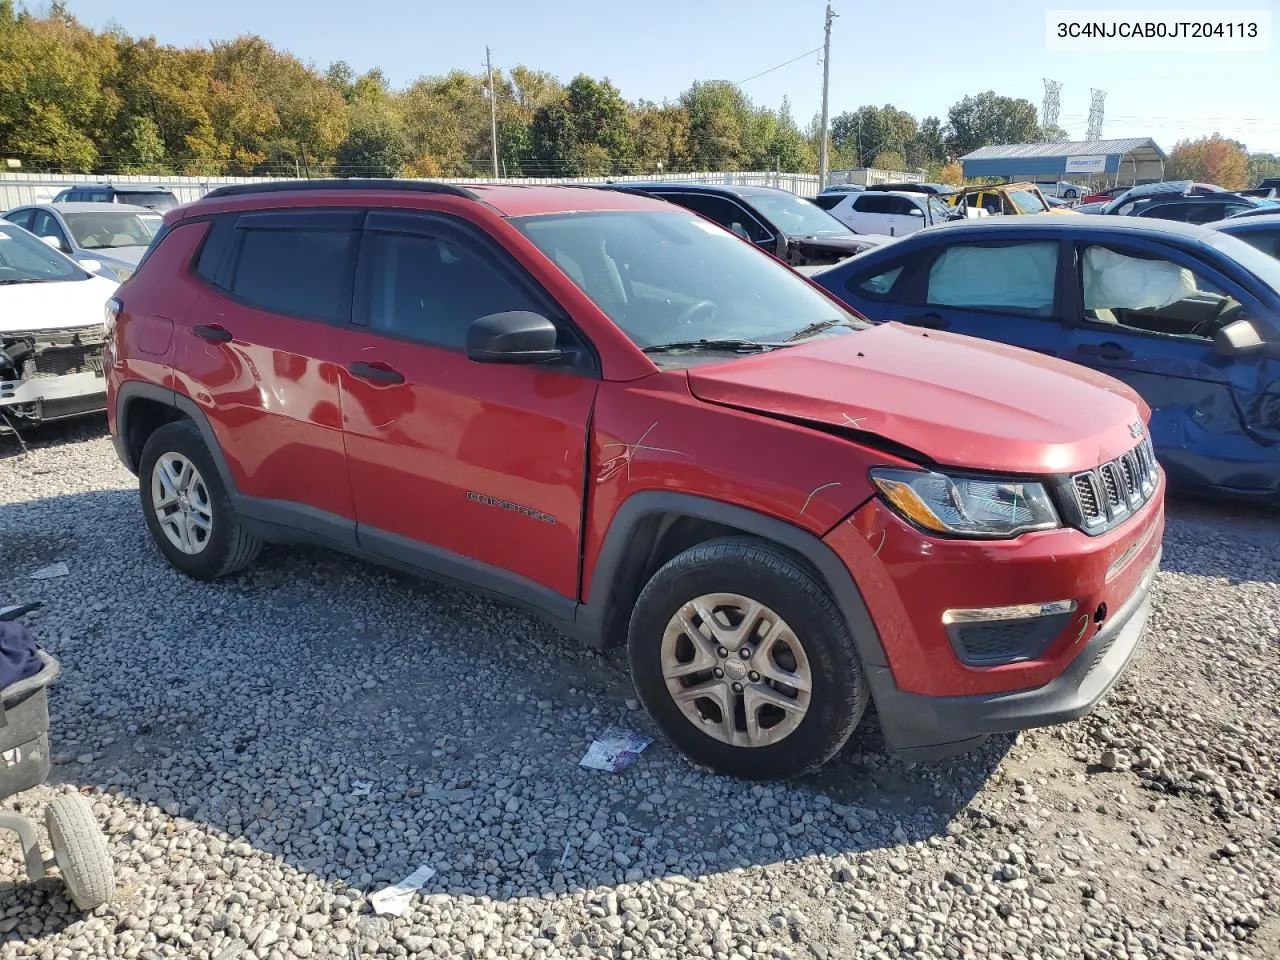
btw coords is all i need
(493, 110)
(826, 83)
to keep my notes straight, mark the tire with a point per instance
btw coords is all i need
(1069, 194)
(80, 850)
(216, 545)
(796, 605)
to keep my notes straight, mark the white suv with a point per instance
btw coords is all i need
(894, 214)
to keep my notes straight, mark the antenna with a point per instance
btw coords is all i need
(1095, 114)
(1049, 110)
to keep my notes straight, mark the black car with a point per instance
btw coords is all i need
(937, 189)
(1182, 200)
(793, 229)
(137, 194)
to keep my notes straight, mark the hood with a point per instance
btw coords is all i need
(957, 400)
(61, 305)
(115, 256)
(853, 243)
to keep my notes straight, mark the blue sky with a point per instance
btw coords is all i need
(920, 57)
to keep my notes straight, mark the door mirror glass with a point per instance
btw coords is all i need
(915, 212)
(1237, 337)
(516, 336)
(53, 242)
(93, 266)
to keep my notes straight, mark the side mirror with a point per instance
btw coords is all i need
(53, 242)
(916, 212)
(517, 336)
(1237, 337)
(93, 266)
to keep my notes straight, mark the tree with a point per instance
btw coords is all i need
(1261, 166)
(372, 149)
(869, 131)
(928, 147)
(1053, 134)
(952, 173)
(1212, 159)
(889, 160)
(984, 119)
(719, 115)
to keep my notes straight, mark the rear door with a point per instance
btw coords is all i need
(1146, 314)
(1009, 291)
(260, 353)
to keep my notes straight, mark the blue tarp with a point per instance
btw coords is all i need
(18, 657)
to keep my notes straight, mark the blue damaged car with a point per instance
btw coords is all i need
(1187, 316)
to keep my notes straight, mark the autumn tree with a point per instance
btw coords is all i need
(1211, 159)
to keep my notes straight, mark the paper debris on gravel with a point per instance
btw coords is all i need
(614, 750)
(58, 569)
(394, 900)
(361, 788)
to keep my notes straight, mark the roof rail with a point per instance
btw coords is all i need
(340, 183)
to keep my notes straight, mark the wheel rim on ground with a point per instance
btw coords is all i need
(736, 670)
(181, 501)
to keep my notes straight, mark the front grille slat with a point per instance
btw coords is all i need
(1112, 491)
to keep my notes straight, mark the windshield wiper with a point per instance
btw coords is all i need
(743, 346)
(814, 329)
(5, 283)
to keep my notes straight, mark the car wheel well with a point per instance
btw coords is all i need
(656, 539)
(143, 417)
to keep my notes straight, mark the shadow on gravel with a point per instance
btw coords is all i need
(1232, 541)
(250, 710)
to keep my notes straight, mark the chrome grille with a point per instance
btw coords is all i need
(1112, 491)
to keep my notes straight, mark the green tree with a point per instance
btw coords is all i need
(985, 118)
(928, 148)
(1260, 166)
(719, 115)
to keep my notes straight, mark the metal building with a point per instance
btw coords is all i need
(1135, 160)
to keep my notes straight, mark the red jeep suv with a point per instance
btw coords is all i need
(613, 412)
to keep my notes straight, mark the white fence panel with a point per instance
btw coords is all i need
(17, 189)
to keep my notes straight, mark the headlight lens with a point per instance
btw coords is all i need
(967, 506)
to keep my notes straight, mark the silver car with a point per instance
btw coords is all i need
(115, 235)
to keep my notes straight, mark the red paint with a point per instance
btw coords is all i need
(458, 455)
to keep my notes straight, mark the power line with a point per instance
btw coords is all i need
(778, 67)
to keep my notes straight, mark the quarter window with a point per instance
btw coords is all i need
(879, 286)
(1013, 278)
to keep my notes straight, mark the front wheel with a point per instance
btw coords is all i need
(743, 659)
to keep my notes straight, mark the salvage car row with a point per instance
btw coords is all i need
(598, 405)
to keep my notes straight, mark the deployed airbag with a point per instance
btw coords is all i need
(1115, 281)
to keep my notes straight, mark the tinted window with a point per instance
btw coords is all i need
(872, 203)
(432, 289)
(300, 272)
(1268, 241)
(214, 249)
(723, 211)
(900, 206)
(22, 218)
(828, 201)
(1017, 277)
(155, 199)
(666, 276)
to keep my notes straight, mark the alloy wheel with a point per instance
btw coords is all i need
(181, 501)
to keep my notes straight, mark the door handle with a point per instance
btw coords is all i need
(931, 320)
(212, 332)
(1105, 351)
(376, 372)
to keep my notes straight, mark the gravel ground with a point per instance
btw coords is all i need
(218, 730)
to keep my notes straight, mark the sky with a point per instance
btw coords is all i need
(920, 57)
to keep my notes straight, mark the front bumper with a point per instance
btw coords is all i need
(28, 402)
(922, 727)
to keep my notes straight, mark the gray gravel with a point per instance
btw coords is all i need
(218, 730)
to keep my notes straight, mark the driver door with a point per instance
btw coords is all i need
(1146, 316)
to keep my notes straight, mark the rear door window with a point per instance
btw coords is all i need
(873, 203)
(299, 265)
(1009, 278)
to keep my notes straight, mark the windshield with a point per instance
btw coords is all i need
(101, 231)
(1027, 201)
(671, 276)
(1266, 268)
(796, 217)
(939, 210)
(158, 200)
(24, 259)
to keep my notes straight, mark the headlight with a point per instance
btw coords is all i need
(966, 506)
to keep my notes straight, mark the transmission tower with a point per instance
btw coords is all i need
(1095, 114)
(1049, 110)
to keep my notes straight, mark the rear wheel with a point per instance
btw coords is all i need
(80, 850)
(741, 656)
(187, 508)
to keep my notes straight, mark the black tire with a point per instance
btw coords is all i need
(80, 850)
(765, 572)
(1069, 194)
(230, 548)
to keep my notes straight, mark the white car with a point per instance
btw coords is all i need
(1062, 189)
(891, 213)
(51, 332)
